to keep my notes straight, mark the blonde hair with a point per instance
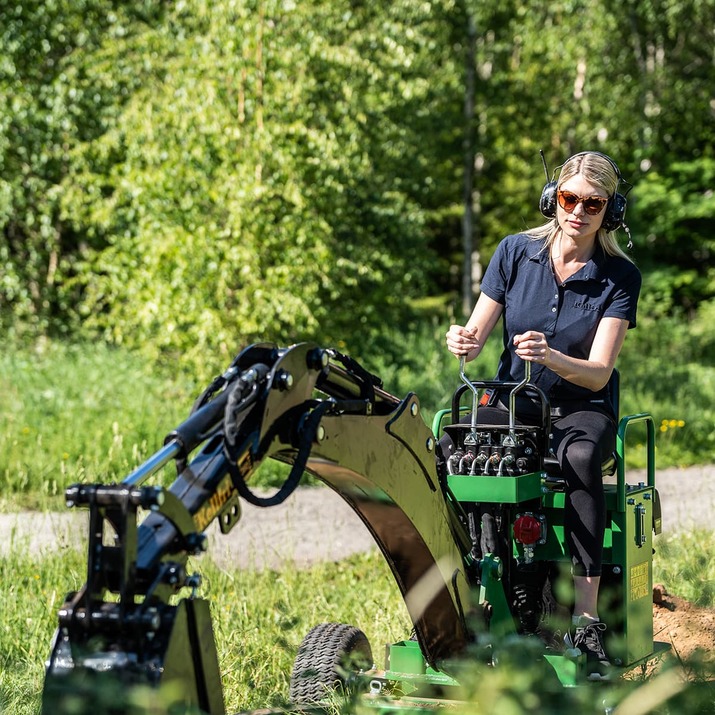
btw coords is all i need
(599, 171)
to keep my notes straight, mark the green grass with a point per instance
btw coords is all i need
(77, 413)
(85, 413)
(33, 588)
(261, 617)
(686, 564)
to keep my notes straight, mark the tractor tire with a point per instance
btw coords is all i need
(328, 659)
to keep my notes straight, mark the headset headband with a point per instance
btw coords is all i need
(603, 156)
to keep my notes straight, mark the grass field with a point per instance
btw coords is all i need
(259, 620)
(261, 617)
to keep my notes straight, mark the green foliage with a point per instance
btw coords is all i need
(677, 210)
(188, 178)
(259, 620)
(426, 367)
(576, 74)
(86, 412)
(43, 115)
(668, 369)
(241, 177)
(80, 413)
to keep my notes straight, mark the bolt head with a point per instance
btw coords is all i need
(284, 380)
(318, 359)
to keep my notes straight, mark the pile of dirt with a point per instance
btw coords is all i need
(688, 629)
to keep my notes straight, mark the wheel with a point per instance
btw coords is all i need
(328, 659)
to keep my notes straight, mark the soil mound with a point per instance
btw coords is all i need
(687, 628)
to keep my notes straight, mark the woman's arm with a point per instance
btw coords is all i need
(469, 340)
(592, 373)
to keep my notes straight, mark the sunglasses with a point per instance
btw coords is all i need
(592, 205)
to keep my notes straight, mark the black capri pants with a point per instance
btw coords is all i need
(583, 440)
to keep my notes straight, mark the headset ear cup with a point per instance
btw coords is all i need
(615, 212)
(547, 202)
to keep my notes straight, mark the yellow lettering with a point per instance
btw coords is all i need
(208, 512)
(639, 581)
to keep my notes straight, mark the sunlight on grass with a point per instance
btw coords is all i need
(260, 617)
(685, 563)
(92, 413)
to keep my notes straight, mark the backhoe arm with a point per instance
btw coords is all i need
(310, 408)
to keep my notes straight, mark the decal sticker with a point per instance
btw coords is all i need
(639, 581)
(213, 506)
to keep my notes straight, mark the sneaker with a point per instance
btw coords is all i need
(589, 640)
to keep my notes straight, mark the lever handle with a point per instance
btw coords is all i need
(475, 391)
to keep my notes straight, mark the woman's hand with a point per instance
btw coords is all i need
(532, 346)
(463, 341)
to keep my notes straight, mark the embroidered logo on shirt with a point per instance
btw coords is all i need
(585, 305)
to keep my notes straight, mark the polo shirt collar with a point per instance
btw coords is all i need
(593, 270)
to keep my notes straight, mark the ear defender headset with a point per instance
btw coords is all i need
(615, 211)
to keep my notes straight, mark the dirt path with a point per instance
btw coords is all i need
(316, 525)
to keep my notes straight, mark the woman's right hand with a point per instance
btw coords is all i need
(463, 341)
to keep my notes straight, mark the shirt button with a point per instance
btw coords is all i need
(556, 297)
(553, 310)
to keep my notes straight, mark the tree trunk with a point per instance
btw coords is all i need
(468, 189)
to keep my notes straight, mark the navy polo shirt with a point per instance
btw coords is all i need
(521, 278)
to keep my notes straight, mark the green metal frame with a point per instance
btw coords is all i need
(438, 419)
(623, 425)
(498, 490)
(627, 581)
(409, 672)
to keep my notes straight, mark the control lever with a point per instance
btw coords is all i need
(510, 441)
(472, 436)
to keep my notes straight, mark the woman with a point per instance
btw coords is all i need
(567, 294)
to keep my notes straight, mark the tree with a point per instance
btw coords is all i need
(261, 179)
(41, 119)
(629, 79)
(194, 177)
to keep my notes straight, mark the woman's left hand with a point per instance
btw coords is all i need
(532, 346)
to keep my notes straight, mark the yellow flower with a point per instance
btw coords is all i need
(665, 425)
